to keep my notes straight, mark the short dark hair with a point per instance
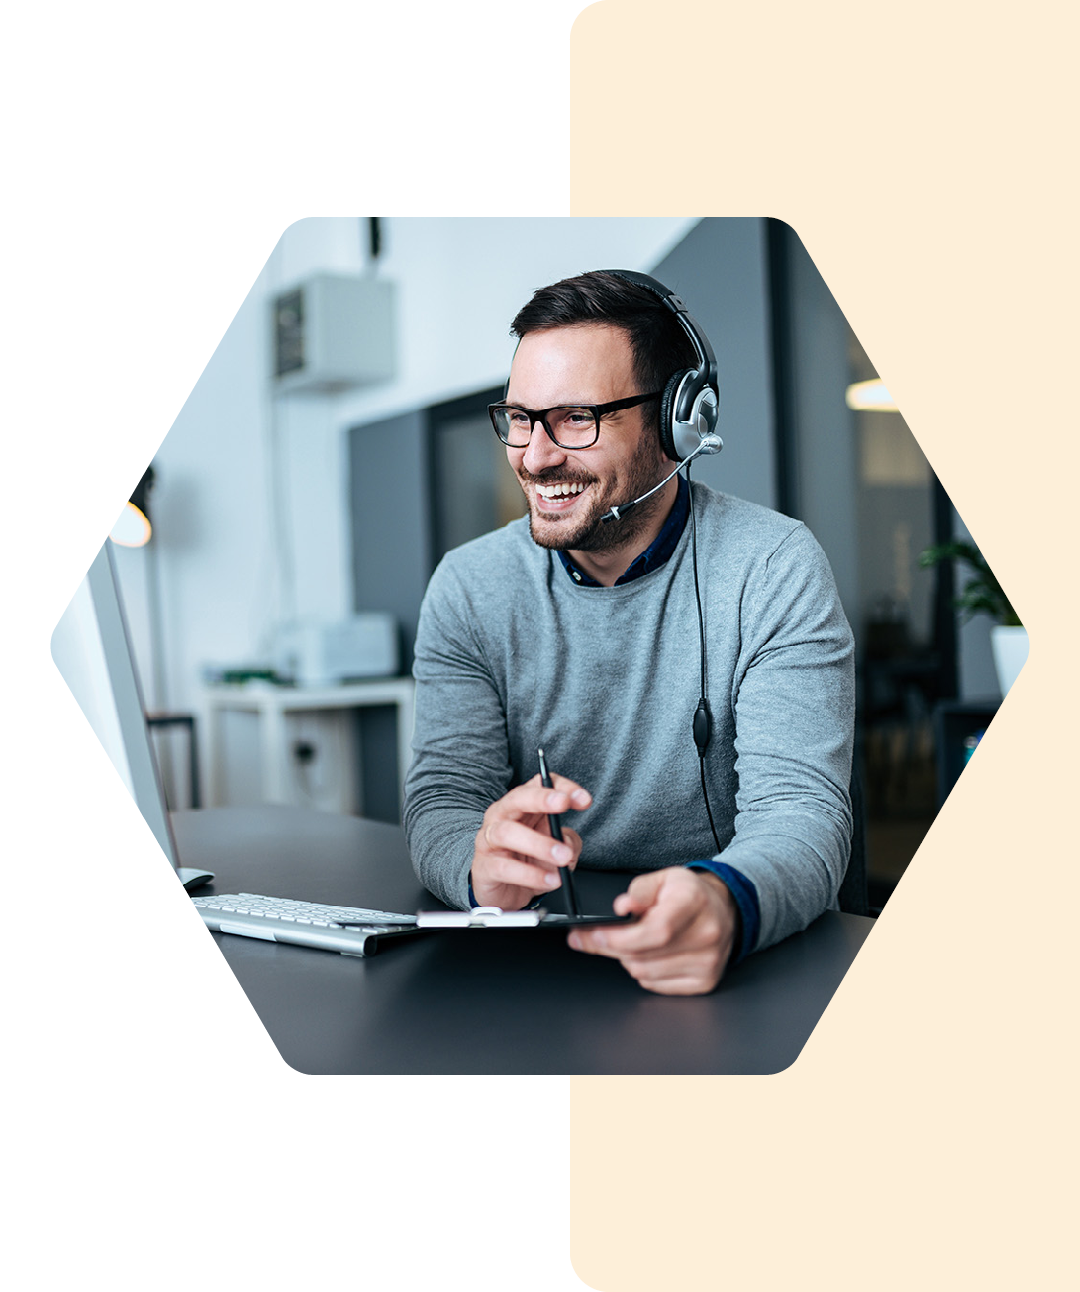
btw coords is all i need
(658, 345)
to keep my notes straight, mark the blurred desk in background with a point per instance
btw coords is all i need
(274, 705)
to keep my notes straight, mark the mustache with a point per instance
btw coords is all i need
(553, 476)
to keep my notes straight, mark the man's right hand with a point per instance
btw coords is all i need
(515, 858)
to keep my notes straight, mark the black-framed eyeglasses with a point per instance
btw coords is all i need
(570, 426)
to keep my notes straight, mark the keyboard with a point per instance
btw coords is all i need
(348, 930)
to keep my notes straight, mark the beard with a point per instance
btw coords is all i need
(583, 531)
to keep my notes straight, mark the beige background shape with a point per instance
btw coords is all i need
(926, 1134)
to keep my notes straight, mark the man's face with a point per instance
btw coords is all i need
(583, 364)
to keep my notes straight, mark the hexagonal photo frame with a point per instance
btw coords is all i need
(243, 645)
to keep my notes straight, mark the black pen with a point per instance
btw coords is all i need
(566, 877)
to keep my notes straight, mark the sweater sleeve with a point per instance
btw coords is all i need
(793, 696)
(461, 760)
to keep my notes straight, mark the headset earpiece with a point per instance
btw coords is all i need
(690, 404)
(668, 402)
(682, 432)
(702, 421)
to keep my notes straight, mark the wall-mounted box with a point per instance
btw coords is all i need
(332, 332)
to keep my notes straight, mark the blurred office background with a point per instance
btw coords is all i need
(337, 444)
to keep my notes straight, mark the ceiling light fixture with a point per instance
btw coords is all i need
(132, 528)
(870, 396)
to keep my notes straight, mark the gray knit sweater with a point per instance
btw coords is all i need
(512, 654)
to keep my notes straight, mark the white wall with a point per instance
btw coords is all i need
(459, 284)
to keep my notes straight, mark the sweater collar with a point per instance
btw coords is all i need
(658, 552)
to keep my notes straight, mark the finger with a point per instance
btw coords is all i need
(503, 868)
(573, 841)
(644, 890)
(564, 796)
(619, 942)
(506, 835)
(688, 985)
(591, 942)
(579, 797)
(611, 941)
(678, 975)
(661, 930)
(688, 974)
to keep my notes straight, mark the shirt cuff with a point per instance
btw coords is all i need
(746, 899)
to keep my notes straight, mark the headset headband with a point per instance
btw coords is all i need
(706, 358)
(690, 405)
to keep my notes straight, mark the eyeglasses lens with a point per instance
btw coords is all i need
(573, 428)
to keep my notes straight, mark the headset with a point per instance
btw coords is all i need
(689, 412)
(690, 403)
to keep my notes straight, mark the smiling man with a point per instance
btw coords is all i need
(579, 630)
(569, 488)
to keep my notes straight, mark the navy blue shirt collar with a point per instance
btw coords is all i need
(656, 554)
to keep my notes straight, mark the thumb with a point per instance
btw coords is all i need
(573, 841)
(642, 893)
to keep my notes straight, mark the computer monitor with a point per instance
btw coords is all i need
(92, 649)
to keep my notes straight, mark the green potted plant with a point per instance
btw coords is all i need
(983, 594)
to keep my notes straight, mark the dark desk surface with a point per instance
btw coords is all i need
(485, 1001)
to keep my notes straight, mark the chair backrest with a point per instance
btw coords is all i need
(854, 898)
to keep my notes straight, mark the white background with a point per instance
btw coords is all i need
(154, 156)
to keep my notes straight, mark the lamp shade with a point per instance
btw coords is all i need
(870, 396)
(132, 528)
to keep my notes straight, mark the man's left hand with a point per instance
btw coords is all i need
(681, 944)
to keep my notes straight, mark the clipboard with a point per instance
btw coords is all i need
(494, 917)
